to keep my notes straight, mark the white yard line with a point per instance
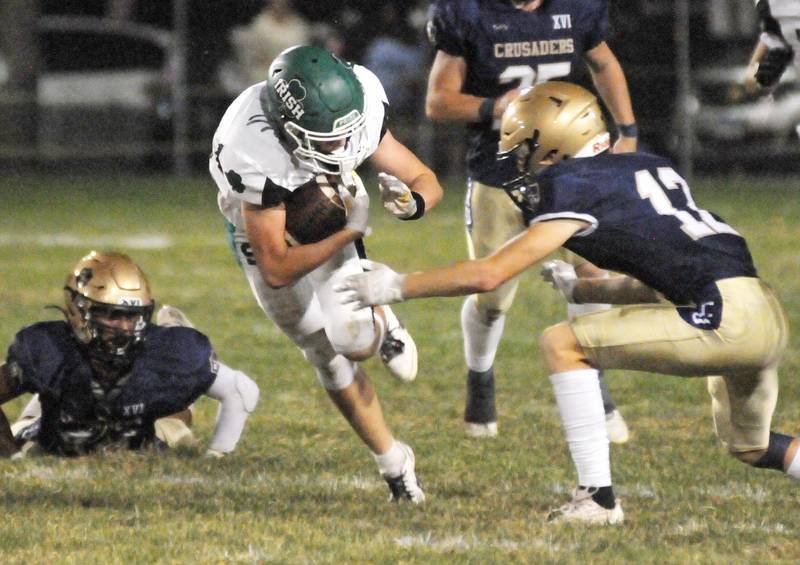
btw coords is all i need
(149, 241)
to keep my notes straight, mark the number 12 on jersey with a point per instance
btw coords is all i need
(695, 222)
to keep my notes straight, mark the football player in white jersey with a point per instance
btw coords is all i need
(316, 114)
(778, 45)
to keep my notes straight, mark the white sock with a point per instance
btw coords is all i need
(481, 340)
(391, 462)
(794, 467)
(581, 407)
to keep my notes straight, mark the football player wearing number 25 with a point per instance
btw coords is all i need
(317, 114)
(486, 50)
(632, 214)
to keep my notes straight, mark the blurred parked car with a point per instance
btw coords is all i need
(101, 94)
(734, 126)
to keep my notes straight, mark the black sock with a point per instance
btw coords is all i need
(480, 406)
(604, 496)
(776, 451)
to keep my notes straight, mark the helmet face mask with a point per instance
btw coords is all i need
(108, 306)
(551, 122)
(315, 101)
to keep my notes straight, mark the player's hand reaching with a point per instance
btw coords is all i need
(377, 285)
(356, 202)
(561, 276)
(396, 196)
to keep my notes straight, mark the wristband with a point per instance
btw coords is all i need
(628, 130)
(486, 111)
(420, 207)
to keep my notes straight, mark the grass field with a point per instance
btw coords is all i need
(302, 489)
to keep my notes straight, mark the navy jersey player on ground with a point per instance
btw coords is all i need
(631, 213)
(107, 377)
(486, 51)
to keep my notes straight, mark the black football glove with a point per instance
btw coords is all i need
(772, 65)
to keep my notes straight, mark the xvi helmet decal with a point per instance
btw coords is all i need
(108, 305)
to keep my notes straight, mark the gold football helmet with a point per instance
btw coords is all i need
(108, 305)
(550, 122)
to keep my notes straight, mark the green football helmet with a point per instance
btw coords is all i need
(316, 103)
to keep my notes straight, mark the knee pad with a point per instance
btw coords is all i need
(338, 374)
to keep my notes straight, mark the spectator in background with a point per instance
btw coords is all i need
(396, 58)
(275, 28)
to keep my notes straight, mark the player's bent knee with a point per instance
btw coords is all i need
(356, 339)
(559, 346)
(337, 374)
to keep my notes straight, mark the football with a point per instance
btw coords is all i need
(315, 211)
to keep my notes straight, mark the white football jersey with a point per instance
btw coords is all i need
(787, 14)
(247, 156)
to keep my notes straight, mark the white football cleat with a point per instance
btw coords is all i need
(398, 350)
(405, 486)
(475, 429)
(583, 510)
(616, 427)
(169, 316)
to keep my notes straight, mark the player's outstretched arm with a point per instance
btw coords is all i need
(381, 285)
(618, 289)
(238, 395)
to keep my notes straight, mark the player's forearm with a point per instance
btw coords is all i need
(459, 279)
(609, 79)
(613, 88)
(427, 186)
(615, 290)
(279, 268)
(451, 106)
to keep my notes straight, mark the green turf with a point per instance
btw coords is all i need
(302, 489)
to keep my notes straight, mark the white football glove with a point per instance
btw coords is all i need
(396, 196)
(377, 285)
(356, 205)
(561, 276)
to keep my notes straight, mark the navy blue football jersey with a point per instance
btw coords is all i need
(174, 367)
(643, 222)
(505, 48)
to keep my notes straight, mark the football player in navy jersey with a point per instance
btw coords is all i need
(632, 214)
(778, 44)
(486, 51)
(106, 376)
